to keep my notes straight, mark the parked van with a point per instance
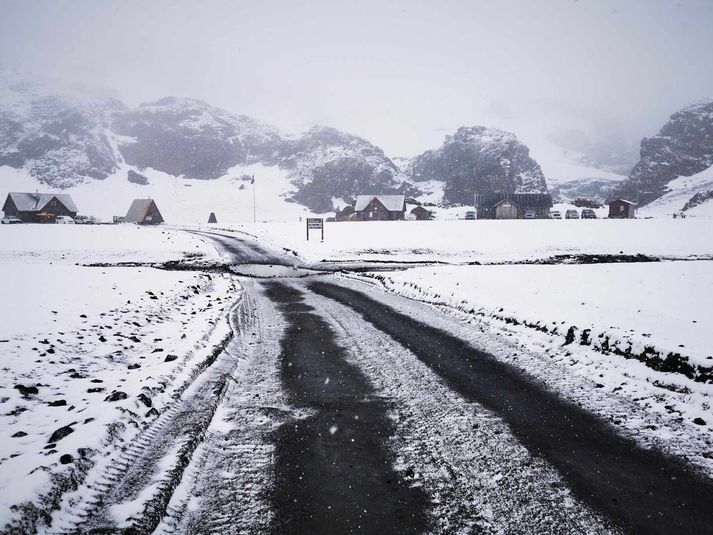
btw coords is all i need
(64, 220)
(571, 214)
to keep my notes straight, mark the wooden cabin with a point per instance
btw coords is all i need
(144, 212)
(517, 204)
(622, 209)
(380, 207)
(39, 207)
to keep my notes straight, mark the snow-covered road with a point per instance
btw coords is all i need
(335, 407)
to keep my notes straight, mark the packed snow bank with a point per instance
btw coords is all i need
(665, 305)
(98, 243)
(489, 241)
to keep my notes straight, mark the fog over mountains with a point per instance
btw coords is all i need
(66, 137)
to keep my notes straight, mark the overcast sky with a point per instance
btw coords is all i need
(400, 73)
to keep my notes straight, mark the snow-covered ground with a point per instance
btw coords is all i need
(180, 200)
(665, 305)
(91, 353)
(488, 241)
(680, 192)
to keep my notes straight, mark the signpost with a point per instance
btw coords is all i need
(315, 223)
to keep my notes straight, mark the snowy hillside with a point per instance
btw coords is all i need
(682, 148)
(181, 200)
(570, 175)
(692, 195)
(58, 135)
(70, 138)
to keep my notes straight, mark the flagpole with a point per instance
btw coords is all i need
(254, 211)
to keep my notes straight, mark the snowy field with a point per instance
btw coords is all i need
(89, 354)
(665, 305)
(487, 240)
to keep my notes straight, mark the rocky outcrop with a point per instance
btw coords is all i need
(59, 138)
(328, 164)
(479, 160)
(683, 147)
(186, 137)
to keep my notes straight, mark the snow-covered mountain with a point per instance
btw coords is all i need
(58, 136)
(682, 148)
(65, 139)
(187, 137)
(479, 160)
(330, 166)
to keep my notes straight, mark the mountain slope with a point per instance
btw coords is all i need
(327, 165)
(190, 138)
(60, 137)
(683, 147)
(479, 160)
(67, 138)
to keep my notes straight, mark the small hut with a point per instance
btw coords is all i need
(622, 209)
(421, 214)
(144, 212)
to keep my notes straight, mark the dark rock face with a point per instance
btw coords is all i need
(59, 139)
(137, 178)
(683, 147)
(479, 160)
(190, 138)
(327, 163)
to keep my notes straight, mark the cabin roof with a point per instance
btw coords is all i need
(393, 203)
(137, 210)
(621, 200)
(35, 202)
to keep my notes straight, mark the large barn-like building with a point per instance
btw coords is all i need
(512, 205)
(39, 207)
(380, 207)
(144, 212)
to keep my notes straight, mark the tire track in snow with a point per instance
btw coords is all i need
(333, 471)
(479, 478)
(130, 488)
(229, 482)
(643, 490)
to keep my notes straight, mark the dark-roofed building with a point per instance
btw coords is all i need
(144, 212)
(622, 209)
(39, 207)
(380, 207)
(421, 214)
(512, 205)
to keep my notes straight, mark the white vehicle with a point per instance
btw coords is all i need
(555, 214)
(10, 220)
(64, 220)
(529, 214)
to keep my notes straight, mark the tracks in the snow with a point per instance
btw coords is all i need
(129, 489)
